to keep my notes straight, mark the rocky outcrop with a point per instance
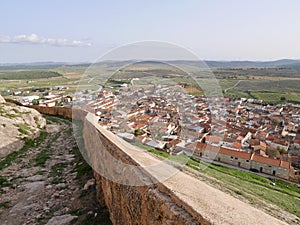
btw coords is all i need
(17, 123)
(2, 100)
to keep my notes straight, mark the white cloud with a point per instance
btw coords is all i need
(35, 39)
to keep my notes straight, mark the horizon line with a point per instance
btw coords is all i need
(91, 62)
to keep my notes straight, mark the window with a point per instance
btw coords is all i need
(236, 157)
(231, 157)
(247, 160)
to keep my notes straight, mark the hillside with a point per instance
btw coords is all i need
(48, 182)
(16, 124)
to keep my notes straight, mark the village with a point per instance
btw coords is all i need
(245, 133)
(48, 97)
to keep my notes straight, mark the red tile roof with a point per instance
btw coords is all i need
(270, 161)
(244, 155)
(237, 145)
(212, 138)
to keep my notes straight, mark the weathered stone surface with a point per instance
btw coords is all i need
(61, 220)
(2, 100)
(17, 122)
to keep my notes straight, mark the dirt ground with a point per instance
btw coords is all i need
(49, 183)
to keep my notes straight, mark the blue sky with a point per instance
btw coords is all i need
(78, 31)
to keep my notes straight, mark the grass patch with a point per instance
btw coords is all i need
(41, 172)
(23, 129)
(57, 172)
(29, 143)
(4, 182)
(82, 168)
(248, 185)
(5, 204)
(11, 115)
(28, 74)
(44, 154)
(42, 157)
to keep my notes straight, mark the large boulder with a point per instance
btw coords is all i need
(17, 123)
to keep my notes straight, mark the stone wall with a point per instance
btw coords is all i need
(181, 199)
(70, 113)
(55, 111)
(153, 204)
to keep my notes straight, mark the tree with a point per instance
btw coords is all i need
(137, 132)
(35, 102)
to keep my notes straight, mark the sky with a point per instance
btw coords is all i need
(83, 30)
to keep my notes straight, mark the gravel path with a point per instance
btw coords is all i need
(46, 184)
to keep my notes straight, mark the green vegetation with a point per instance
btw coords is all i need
(250, 186)
(23, 129)
(252, 73)
(28, 74)
(5, 204)
(82, 167)
(44, 154)
(57, 172)
(29, 143)
(42, 157)
(116, 83)
(4, 182)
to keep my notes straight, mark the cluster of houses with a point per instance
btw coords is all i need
(241, 132)
(48, 100)
(43, 96)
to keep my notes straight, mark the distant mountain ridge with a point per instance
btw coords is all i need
(231, 64)
(282, 63)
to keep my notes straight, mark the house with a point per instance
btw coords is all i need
(236, 145)
(126, 136)
(271, 166)
(275, 167)
(291, 127)
(156, 144)
(213, 140)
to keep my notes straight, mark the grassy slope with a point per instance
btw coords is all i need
(251, 187)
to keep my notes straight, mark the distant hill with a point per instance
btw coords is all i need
(282, 63)
(286, 63)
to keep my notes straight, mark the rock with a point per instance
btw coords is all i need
(55, 195)
(17, 122)
(2, 100)
(5, 189)
(53, 128)
(49, 186)
(61, 185)
(35, 186)
(61, 220)
(36, 178)
(23, 208)
(89, 183)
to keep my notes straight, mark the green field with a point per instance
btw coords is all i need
(274, 85)
(28, 74)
